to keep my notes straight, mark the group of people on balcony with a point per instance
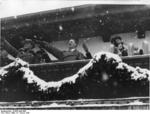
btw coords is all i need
(120, 48)
(38, 51)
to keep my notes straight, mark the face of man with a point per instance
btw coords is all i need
(72, 44)
(118, 41)
(28, 45)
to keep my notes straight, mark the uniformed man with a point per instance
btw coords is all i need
(26, 53)
(118, 46)
(71, 54)
(32, 53)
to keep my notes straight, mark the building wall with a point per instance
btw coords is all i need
(96, 44)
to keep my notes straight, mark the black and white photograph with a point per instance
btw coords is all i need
(74, 55)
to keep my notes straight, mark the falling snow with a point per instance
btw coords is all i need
(60, 27)
(100, 21)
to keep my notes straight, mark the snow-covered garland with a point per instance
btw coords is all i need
(105, 74)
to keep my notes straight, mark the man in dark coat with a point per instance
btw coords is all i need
(26, 53)
(118, 46)
(29, 52)
(71, 54)
(32, 53)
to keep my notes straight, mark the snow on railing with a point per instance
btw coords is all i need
(109, 60)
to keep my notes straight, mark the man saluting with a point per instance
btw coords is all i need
(71, 54)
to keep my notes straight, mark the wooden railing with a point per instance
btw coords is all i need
(59, 70)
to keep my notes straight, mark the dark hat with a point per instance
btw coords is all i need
(113, 40)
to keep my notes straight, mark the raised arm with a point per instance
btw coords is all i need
(51, 49)
(9, 48)
(88, 54)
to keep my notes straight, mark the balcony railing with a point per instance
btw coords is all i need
(59, 70)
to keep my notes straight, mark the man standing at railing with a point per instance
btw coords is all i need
(71, 54)
(118, 46)
(30, 52)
